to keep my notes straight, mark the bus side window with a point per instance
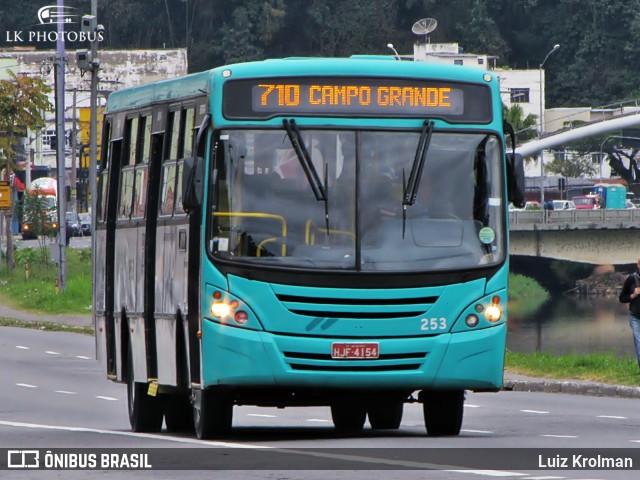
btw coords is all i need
(132, 137)
(189, 125)
(140, 192)
(178, 201)
(103, 173)
(174, 150)
(126, 194)
(141, 175)
(168, 195)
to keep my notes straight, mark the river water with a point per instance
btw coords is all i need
(578, 325)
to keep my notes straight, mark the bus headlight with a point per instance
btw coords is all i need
(220, 309)
(493, 313)
(224, 308)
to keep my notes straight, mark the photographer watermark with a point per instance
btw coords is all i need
(82, 28)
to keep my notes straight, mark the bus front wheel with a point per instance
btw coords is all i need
(443, 410)
(212, 413)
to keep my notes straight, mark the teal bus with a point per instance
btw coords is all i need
(304, 232)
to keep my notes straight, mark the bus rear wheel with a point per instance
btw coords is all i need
(385, 415)
(348, 417)
(145, 411)
(443, 411)
(212, 413)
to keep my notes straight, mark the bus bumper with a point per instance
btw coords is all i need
(239, 357)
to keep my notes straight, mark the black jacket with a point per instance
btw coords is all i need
(629, 286)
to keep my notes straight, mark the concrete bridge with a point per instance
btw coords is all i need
(586, 236)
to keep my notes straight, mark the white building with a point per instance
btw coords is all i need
(118, 69)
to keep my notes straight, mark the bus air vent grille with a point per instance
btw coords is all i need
(360, 308)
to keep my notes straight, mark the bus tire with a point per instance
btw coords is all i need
(443, 411)
(348, 417)
(145, 411)
(177, 413)
(212, 413)
(385, 415)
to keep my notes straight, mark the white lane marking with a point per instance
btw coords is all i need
(541, 412)
(615, 417)
(322, 420)
(477, 431)
(49, 352)
(65, 392)
(83, 357)
(261, 415)
(543, 478)
(193, 441)
(22, 347)
(111, 399)
(470, 405)
(559, 436)
(26, 385)
(490, 473)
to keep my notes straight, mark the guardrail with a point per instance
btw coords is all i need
(607, 219)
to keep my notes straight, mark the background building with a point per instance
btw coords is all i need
(118, 69)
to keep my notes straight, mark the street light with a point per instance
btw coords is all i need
(542, 89)
(390, 46)
(605, 141)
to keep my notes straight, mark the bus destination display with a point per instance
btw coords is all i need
(358, 97)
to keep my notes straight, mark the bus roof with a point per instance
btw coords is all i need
(358, 66)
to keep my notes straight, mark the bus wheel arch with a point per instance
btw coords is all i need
(178, 416)
(145, 411)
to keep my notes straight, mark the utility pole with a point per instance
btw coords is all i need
(60, 153)
(93, 160)
(74, 171)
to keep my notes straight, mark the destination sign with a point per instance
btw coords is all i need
(372, 97)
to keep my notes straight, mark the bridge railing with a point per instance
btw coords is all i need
(574, 219)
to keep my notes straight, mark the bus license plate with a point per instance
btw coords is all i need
(355, 350)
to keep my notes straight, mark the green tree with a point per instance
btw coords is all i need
(37, 213)
(525, 127)
(23, 100)
(572, 164)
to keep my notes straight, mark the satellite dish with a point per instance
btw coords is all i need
(424, 26)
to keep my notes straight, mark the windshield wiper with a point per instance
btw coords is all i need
(410, 187)
(319, 190)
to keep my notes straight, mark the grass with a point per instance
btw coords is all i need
(604, 368)
(49, 326)
(32, 286)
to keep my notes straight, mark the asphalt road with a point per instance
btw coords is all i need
(53, 394)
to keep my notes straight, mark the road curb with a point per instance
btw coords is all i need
(571, 387)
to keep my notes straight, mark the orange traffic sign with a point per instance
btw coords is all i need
(5, 196)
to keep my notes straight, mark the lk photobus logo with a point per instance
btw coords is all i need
(77, 28)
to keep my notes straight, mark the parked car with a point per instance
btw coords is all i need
(564, 205)
(587, 202)
(73, 224)
(630, 205)
(85, 223)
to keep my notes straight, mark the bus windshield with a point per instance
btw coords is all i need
(263, 209)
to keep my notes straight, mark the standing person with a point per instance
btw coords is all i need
(631, 294)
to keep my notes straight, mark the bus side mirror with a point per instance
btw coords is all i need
(515, 179)
(192, 183)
